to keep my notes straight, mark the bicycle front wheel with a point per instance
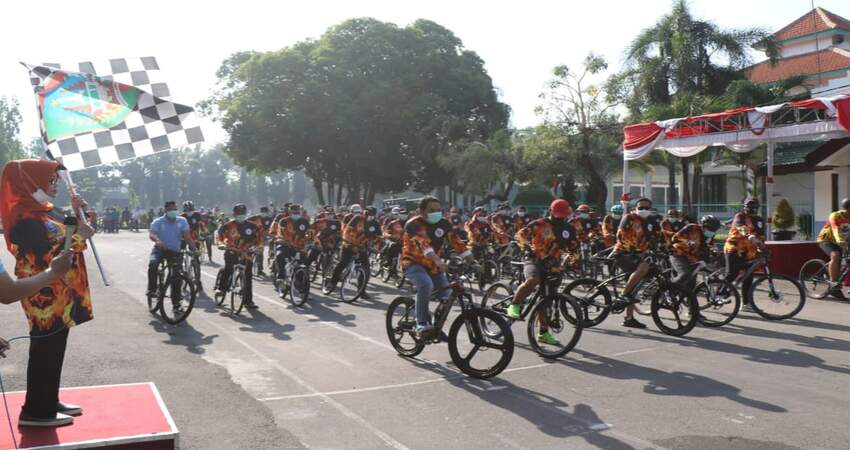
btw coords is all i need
(299, 286)
(353, 284)
(497, 298)
(776, 296)
(815, 278)
(593, 300)
(236, 296)
(475, 353)
(181, 303)
(550, 333)
(719, 302)
(675, 310)
(401, 327)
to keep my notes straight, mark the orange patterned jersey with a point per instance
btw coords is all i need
(327, 231)
(690, 242)
(585, 228)
(293, 233)
(836, 229)
(478, 233)
(66, 301)
(520, 222)
(546, 241)
(358, 232)
(243, 235)
(393, 230)
(263, 223)
(421, 239)
(501, 226)
(635, 234)
(273, 227)
(669, 228)
(609, 230)
(744, 226)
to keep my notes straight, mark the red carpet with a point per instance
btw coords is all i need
(126, 417)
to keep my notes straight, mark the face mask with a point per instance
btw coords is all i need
(708, 234)
(644, 213)
(434, 217)
(171, 214)
(240, 218)
(584, 215)
(295, 216)
(616, 216)
(520, 213)
(41, 196)
(481, 219)
(506, 212)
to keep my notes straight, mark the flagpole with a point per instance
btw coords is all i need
(66, 177)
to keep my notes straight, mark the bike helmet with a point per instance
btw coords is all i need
(479, 210)
(710, 222)
(617, 209)
(371, 211)
(188, 206)
(674, 213)
(356, 209)
(559, 209)
(583, 208)
(239, 209)
(395, 211)
(845, 204)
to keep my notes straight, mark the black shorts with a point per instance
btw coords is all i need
(829, 247)
(531, 269)
(627, 262)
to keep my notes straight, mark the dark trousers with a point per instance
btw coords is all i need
(230, 260)
(156, 257)
(285, 253)
(390, 252)
(44, 371)
(683, 269)
(345, 257)
(734, 265)
(209, 242)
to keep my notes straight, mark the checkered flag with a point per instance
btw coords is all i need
(142, 73)
(80, 113)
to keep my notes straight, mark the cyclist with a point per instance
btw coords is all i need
(671, 225)
(581, 222)
(500, 223)
(393, 233)
(543, 241)
(240, 234)
(290, 239)
(610, 223)
(355, 242)
(193, 218)
(745, 240)
(263, 221)
(691, 244)
(832, 239)
(326, 232)
(168, 233)
(426, 236)
(635, 235)
(520, 219)
(355, 210)
(210, 225)
(479, 234)
(457, 223)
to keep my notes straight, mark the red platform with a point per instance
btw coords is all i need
(788, 257)
(122, 416)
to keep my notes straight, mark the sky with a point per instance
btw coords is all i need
(520, 42)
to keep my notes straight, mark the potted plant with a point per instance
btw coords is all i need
(783, 220)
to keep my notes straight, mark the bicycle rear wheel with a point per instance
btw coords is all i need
(593, 300)
(353, 284)
(719, 302)
(814, 278)
(674, 310)
(299, 286)
(776, 296)
(550, 315)
(181, 305)
(236, 297)
(401, 327)
(475, 353)
(497, 298)
(376, 269)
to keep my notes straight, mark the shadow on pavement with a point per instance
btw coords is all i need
(818, 342)
(255, 321)
(184, 334)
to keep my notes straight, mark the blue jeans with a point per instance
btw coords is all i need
(425, 282)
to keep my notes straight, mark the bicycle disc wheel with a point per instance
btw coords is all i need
(299, 286)
(491, 273)
(401, 327)
(815, 278)
(497, 298)
(550, 316)
(594, 301)
(719, 302)
(674, 310)
(475, 353)
(353, 284)
(179, 308)
(236, 293)
(777, 297)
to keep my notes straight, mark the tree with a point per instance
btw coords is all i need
(578, 118)
(10, 119)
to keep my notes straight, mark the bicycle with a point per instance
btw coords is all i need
(669, 303)
(354, 279)
(493, 353)
(192, 267)
(295, 283)
(814, 277)
(238, 295)
(548, 310)
(175, 284)
(781, 302)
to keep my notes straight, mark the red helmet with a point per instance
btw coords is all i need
(559, 209)
(583, 208)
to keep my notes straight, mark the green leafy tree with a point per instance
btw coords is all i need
(10, 119)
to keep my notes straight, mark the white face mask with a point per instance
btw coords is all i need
(644, 213)
(708, 234)
(481, 219)
(521, 213)
(616, 216)
(41, 196)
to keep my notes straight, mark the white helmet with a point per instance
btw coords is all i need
(396, 210)
(355, 209)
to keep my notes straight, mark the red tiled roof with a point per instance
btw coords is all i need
(832, 58)
(813, 21)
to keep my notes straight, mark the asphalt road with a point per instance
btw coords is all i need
(325, 376)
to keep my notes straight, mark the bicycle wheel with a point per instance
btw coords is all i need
(644, 292)
(196, 274)
(549, 320)
(299, 286)
(375, 266)
(719, 302)
(236, 292)
(219, 295)
(674, 310)
(475, 353)
(387, 273)
(179, 308)
(281, 287)
(491, 272)
(401, 327)
(353, 284)
(497, 298)
(815, 278)
(153, 301)
(593, 300)
(776, 296)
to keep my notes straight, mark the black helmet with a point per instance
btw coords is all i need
(751, 204)
(371, 211)
(710, 222)
(845, 204)
(188, 206)
(240, 208)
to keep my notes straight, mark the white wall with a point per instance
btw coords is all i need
(798, 189)
(808, 46)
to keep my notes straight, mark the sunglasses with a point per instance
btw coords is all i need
(644, 208)
(54, 181)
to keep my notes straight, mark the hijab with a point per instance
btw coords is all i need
(19, 184)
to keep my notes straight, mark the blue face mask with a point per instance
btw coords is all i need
(240, 218)
(584, 215)
(171, 214)
(295, 216)
(434, 217)
(708, 234)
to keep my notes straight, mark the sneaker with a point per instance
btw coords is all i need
(836, 291)
(68, 409)
(514, 311)
(328, 287)
(627, 299)
(56, 421)
(633, 323)
(260, 273)
(424, 331)
(150, 294)
(747, 308)
(547, 338)
(251, 305)
(366, 296)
